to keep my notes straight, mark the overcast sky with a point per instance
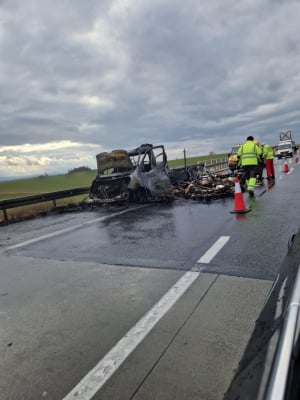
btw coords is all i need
(79, 77)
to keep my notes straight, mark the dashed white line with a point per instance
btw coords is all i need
(106, 367)
(96, 378)
(210, 254)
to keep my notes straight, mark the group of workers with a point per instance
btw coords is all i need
(253, 158)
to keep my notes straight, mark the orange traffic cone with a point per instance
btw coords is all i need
(239, 204)
(286, 166)
(296, 158)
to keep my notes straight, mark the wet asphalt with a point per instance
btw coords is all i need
(66, 299)
(176, 235)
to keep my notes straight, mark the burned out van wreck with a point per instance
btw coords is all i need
(138, 175)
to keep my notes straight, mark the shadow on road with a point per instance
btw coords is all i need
(251, 379)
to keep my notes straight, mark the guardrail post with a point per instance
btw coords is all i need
(5, 214)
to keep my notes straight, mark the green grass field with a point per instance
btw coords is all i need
(44, 184)
(194, 160)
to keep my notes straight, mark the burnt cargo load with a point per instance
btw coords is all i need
(185, 174)
(139, 175)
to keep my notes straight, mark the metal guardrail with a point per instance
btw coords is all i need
(216, 165)
(287, 348)
(39, 198)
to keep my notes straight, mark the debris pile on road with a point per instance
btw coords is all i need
(143, 175)
(205, 187)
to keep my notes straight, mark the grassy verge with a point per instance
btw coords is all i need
(194, 160)
(24, 212)
(44, 184)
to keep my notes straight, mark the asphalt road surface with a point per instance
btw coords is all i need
(147, 302)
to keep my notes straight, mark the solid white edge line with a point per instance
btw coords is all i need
(65, 230)
(96, 378)
(215, 248)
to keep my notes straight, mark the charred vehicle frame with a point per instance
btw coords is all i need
(138, 175)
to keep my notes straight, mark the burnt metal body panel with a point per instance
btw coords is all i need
(137, 175)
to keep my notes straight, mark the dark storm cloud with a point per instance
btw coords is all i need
(119, 73)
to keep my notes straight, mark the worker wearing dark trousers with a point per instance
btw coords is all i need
(248, 156)
(260, 166)
(269, 161)
(259, 172)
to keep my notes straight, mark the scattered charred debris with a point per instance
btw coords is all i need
(185, 174)
(142, 175)
(205, 187)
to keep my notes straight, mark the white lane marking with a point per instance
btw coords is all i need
(215, 248)
(65, 230)
(96, 378)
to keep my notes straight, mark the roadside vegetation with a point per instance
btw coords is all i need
(76, 178)
(45, 183)
(194, 160)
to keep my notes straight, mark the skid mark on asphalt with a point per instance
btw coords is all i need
(106, 367)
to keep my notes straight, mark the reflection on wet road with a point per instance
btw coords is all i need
(63, 310)
(170, 236)
(176, 235)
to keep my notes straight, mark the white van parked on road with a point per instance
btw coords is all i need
(286, 148)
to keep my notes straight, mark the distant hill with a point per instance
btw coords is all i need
(13, 178)
(22, 177)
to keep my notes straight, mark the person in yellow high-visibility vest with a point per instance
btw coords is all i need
(269, 160)
(249, 155)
